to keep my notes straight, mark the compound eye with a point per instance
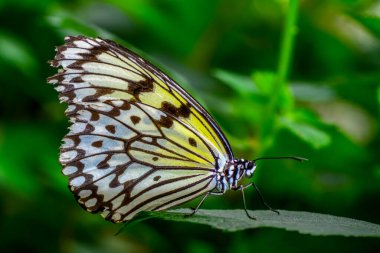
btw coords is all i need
(250, 169)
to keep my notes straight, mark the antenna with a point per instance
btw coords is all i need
(297, 158)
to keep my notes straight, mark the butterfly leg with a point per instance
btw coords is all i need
(194, 210)
(198, 206)
(242, 188)
(243, 195)
(263, 201)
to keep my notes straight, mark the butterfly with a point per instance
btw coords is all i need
(138, 141)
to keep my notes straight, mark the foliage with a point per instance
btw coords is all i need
(303, 222)
(278, 83)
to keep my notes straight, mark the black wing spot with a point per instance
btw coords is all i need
(169, 108)
(104, 164)
(77, 79)
(182, 111)
(192, 142)
(135, 88)
(164, 122)
(89, 129)
(125, 106)
(111, 129)
(94, 116)
(97, 144)
(135, 119)
(156, 178)
(99, 93)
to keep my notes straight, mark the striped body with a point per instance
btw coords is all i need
(138, 141)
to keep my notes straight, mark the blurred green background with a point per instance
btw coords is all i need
(226, 54)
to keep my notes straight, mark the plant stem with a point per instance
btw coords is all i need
(287, 44)
(280, 90)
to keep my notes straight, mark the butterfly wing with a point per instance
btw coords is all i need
(137, 141)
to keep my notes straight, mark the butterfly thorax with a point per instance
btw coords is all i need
(233, 171)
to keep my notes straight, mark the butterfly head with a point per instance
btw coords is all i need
(242, 167)
(250, 167)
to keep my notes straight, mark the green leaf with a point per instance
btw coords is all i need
(302, 222)
(240, 83)
(307, 126)
(313, 92)
(372, 23)
(307, 132)
(282, 97)
(67, 24)
(264, 81)
(16, 52)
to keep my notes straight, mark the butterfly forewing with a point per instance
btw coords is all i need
(137, 141)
